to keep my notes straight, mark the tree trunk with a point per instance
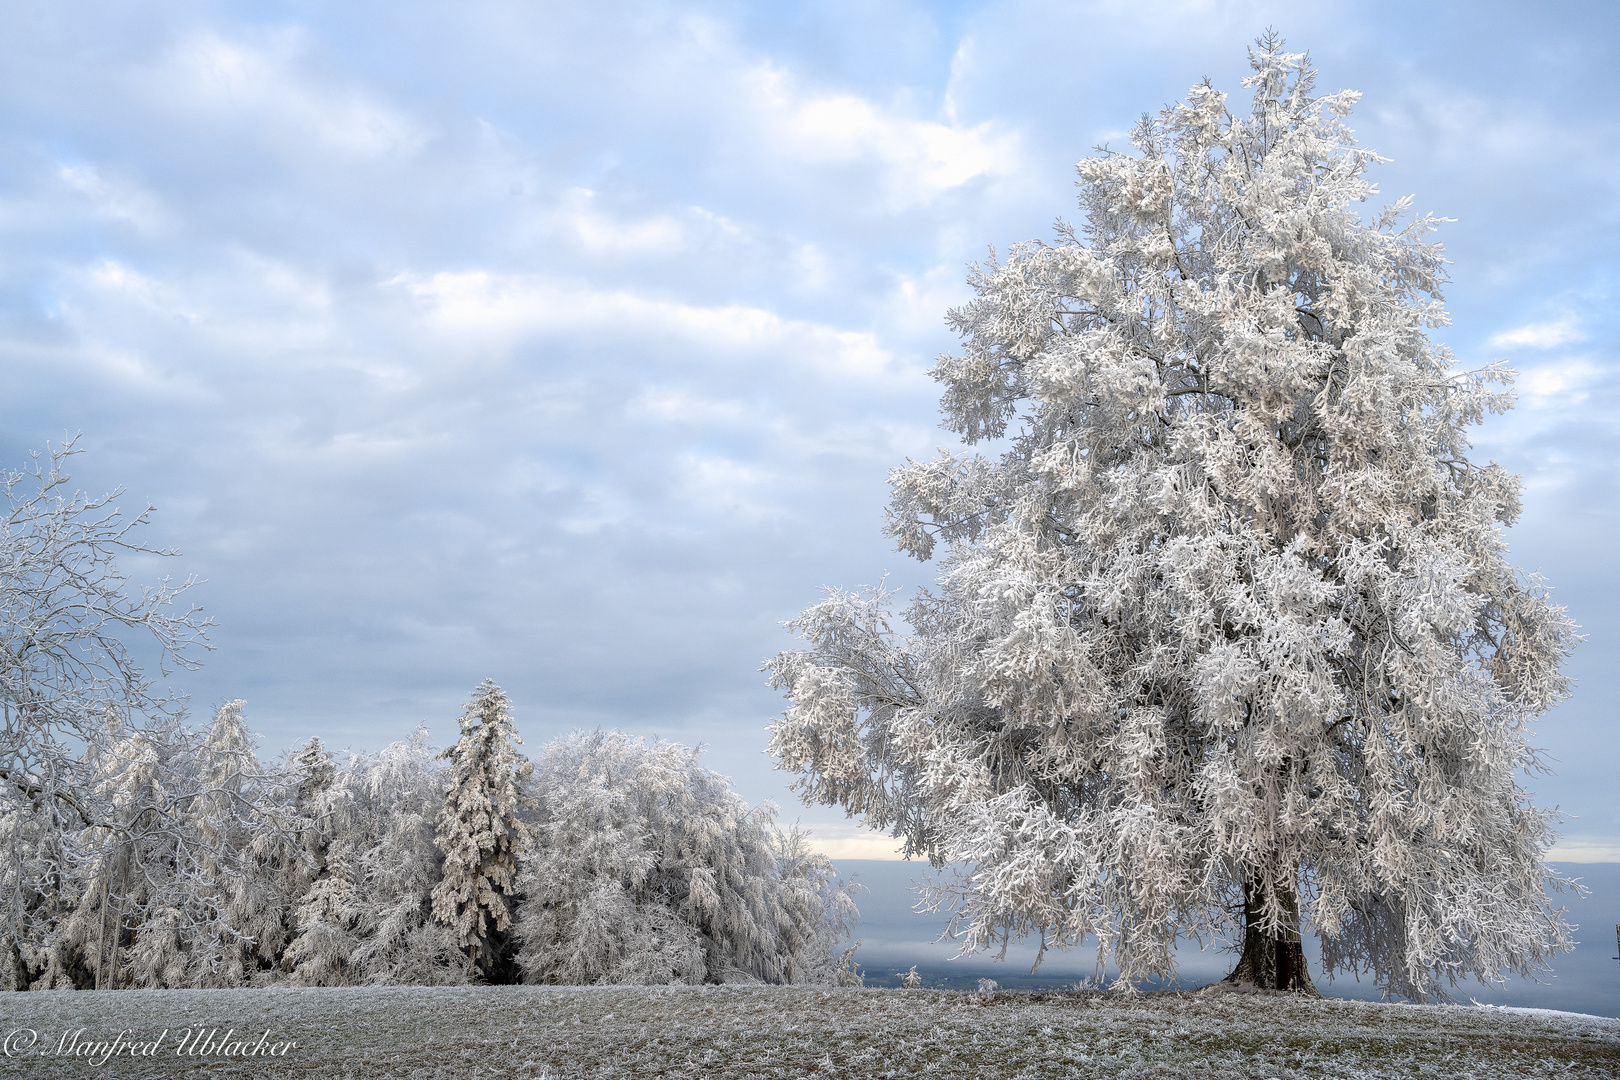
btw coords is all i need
(101, 938)
(1273, 957)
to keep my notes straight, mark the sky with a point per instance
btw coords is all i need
(570, 345)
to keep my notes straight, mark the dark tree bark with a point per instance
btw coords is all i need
(497, 960)
(1273, 957)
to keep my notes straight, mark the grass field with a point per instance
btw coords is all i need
(781, 1032)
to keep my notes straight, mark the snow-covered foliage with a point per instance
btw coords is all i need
(647, 868)
(322, 953)
(1227, 626)
(211, 870)
(244, 854)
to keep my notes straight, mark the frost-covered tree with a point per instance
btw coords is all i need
(480, 832)
(1226, 626)
(68, 619)
(813, 913)
(189, 876)
(78, 944)
(390, 802)
(207, 870)
(313, 804)
(594, 910)
(647, 868)
(158, 916)
(321, 953)
(315, 774)
(245, 863)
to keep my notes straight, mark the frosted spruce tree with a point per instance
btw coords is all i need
(1225, 636)
(481, 834)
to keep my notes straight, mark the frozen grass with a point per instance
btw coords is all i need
(777, 1032)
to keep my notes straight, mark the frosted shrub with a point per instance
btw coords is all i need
(646, 867)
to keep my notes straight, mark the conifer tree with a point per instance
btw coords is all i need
(1227, 627)
(481, 834)
(315, 774)
(159, 915)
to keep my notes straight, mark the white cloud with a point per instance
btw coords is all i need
(602, 234)
(360, 451)
(919, 303)
(495, 311)
(853, 841)
(1589, 850)
(118, 200)
(920, 159)
(287, 282)
(813, 266)
(1543, 335)
(1558, 384)
(720, 485)
(115, 280)
(680, 407)
(600, 509)
(1458, 120)
(240, 311)
(210, 75)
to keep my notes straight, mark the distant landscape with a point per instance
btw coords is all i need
(894, 937)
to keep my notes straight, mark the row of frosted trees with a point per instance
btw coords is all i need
(609, 860)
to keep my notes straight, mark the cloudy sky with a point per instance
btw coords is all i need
(570, 344)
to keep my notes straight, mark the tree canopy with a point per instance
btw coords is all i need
(1225, 630)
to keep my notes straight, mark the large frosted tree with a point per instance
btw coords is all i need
(1225, 633)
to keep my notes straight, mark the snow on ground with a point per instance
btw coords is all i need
(1541, 1012)
(679, 1032)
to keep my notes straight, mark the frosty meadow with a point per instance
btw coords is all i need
(1225, 648)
